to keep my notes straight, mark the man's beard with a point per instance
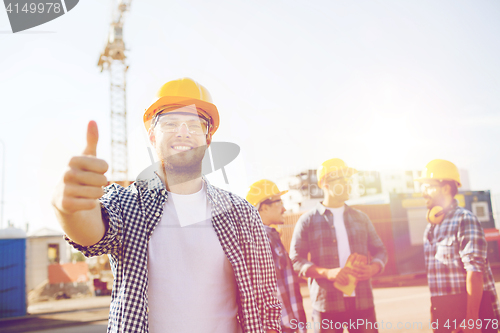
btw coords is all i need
(434, 201)
(181, 171)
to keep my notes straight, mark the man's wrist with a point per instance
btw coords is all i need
(376, 268)
(322, 272)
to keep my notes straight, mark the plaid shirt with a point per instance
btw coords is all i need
(314, 233)
(135, 211)
(288, 281)
(452, 248)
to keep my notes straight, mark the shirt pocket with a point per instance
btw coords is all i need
(446, 252)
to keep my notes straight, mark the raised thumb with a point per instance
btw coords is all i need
(92, 138)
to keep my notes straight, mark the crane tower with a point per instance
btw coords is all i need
(113, 59)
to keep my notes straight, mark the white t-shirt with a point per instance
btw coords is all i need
(191, 282)
(342, 239)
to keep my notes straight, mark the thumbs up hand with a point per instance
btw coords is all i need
(82, 182)
(92, 138)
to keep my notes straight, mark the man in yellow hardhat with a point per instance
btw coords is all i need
(456, 255)
(332, 234)
(266, 197)
(186, 256)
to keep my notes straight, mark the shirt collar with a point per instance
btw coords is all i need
(154, 183)
(212, 193)
(451, 209)
(322, 209)
(268, 228)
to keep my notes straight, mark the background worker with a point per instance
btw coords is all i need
(329, 233)
(266, 197)
(186, 256)
(458, 271)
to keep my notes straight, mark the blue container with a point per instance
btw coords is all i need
(12, 277)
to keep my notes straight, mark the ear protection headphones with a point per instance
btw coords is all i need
(436, 214)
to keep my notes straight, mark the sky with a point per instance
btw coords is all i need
(384, 85)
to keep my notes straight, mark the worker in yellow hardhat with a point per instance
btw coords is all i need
(333, 234)
(442, 175)
(183, 93)
(179, 246)
(456, 253)
(266, 197)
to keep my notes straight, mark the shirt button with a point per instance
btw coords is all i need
(157, 214)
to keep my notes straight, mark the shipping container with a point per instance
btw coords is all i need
(12, 273)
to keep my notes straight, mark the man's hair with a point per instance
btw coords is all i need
(453, 186)
(260, 204)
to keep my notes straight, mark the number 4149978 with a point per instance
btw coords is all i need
(471, 324)
(35, 8)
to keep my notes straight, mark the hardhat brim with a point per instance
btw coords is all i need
(345, 171)
(209, 108)
(282, 192)
(267, 198)
(428, 180)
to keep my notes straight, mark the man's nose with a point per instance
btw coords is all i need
(183, 130)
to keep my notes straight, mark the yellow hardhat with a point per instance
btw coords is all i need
(440, 170)
(184, 92)
(334, 167)
(262, 190)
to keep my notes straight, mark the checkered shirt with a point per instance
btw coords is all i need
(135, 211)
(452, 248)
(288, 281)
(314, 234)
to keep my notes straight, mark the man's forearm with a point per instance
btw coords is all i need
(332, 274)
(474, 285)
(85, 227)
(316, 272)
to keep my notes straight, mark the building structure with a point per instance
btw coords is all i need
(43, 248)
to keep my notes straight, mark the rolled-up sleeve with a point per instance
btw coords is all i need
(473, 246)
(299, 247)
(110, 243)
(375, 245)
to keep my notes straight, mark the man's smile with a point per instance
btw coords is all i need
(181, 148)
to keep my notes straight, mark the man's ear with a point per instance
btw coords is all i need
(209, 139)
(446, 189)
(151, 135)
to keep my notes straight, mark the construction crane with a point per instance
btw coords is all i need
(113, 59)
